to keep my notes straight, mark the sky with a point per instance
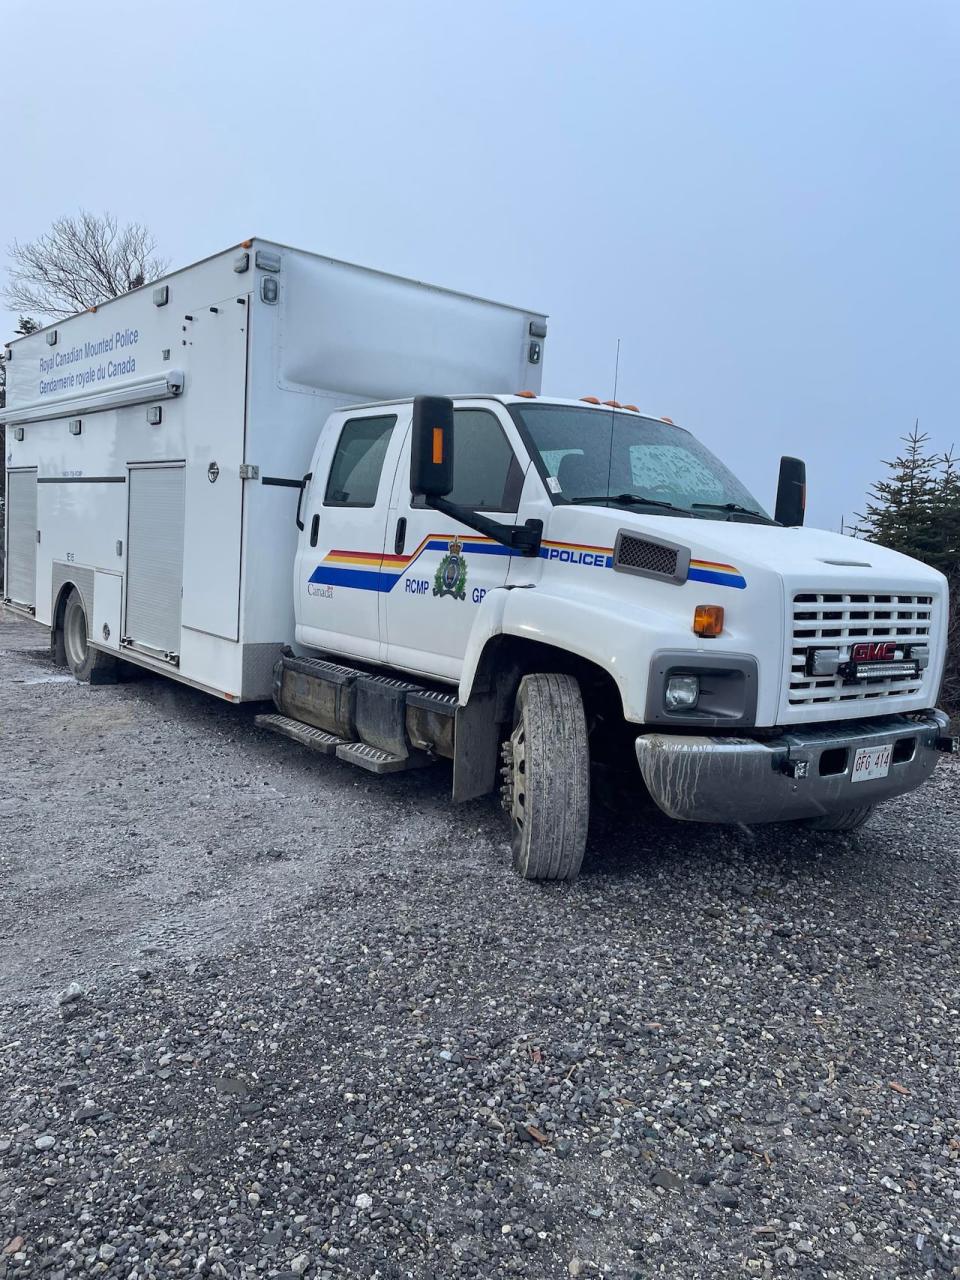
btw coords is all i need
(760, 200)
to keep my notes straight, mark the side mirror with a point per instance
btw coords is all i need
(431, 447)
(791, 492)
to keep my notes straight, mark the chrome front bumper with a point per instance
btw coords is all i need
(800, 773)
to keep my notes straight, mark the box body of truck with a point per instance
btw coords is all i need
(157, 444)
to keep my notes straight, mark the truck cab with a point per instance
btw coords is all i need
(579, 582)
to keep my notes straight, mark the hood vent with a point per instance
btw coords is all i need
(649, 558)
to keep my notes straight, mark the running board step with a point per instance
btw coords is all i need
(328, 744)
(377, 761)
(314, 739)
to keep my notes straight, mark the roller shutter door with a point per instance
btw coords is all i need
(21, 584)
(155, 557)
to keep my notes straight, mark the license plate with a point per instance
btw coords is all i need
(871, 762)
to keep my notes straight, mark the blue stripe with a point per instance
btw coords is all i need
(469, 548)
(719, 579)
(362, 579)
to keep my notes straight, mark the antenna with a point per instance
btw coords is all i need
(616, 379)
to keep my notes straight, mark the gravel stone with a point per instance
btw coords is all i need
(382, 1054)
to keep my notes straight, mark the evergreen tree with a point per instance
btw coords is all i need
(916, 509)
(900, 508)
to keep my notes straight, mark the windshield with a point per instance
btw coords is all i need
(627, 459)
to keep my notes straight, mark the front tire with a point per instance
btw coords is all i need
(847, 820)
(546, 778)
(86, 664)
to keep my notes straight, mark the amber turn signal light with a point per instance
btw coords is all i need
(708, 619)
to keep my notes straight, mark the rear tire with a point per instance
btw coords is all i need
(86, 664)
(546, 777)
(848, 820)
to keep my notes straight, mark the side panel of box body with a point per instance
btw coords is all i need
(84, 457)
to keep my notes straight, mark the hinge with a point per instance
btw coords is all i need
(249, 472)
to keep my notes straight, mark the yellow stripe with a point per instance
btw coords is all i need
(713, 564)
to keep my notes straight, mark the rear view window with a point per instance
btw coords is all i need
(358, 462)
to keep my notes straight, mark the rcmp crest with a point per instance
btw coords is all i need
(451, 575)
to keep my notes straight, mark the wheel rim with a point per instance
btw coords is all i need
(515, 778)
(75, 635)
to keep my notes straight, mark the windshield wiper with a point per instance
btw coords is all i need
(735, 509)
(628, 499)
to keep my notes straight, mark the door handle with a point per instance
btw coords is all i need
(314, 530)
(303, 484)
(400, 537)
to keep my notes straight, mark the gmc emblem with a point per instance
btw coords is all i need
(874, 651)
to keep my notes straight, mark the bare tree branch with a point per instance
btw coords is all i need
(80, 262)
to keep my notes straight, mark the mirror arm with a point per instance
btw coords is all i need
(524, 538)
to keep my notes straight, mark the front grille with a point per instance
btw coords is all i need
(838, 620)
(644, 556)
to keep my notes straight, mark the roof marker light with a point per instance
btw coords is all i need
(614, 404)
(527, 395)
(589, 400)
(632, 407)
(670, 420)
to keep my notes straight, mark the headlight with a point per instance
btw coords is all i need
(681, 693)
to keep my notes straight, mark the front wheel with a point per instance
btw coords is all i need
(86, 664)
(847, 820)
(546, 778)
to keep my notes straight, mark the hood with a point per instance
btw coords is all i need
(815, 557)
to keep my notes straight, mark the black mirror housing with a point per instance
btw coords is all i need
(791, 492)
(431, 447)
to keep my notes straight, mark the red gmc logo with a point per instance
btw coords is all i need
(874, 651)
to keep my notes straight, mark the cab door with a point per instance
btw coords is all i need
(443, 568)
(339, 568)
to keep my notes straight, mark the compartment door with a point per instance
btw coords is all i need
(21, 579)
(107, 593)
(155, 558)
(214, 405)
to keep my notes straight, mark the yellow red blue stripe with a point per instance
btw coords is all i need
(721, 575)
(379, 571)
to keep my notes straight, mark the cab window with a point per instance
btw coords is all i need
(486, 473)
(358, 462)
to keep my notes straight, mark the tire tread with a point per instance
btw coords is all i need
(557, 755)
(847, 820)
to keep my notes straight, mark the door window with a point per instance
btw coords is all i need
(486, 473)
(358, 462)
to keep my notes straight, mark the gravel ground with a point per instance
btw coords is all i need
(264, 1015)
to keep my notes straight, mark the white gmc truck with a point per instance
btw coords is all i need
(272, 474)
